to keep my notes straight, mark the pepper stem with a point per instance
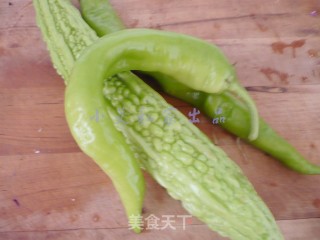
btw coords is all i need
(241, 92)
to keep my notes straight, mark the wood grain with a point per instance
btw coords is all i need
(50, 190)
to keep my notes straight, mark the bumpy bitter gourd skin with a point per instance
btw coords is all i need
(64, 31)
(185, 162)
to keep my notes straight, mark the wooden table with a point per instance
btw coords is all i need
(51, 190)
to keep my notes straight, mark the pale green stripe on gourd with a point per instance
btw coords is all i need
(185, 162)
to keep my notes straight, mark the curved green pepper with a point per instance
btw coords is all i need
(179, 56)
(238, 119)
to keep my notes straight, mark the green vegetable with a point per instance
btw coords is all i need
(97, 13)
(175, 56)
(184, 161)
(178, 155)
(61, 23)
(236, 113)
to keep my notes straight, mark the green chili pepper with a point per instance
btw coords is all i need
(235, 112)
(181, 57)
(237, 118)
(96, 13)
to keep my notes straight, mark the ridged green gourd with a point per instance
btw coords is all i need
(177, 154)
(64, 31)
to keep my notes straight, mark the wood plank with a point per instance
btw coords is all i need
(23, 50)
(191, 232)
(50, 190)
(246, 20)
(301, 229)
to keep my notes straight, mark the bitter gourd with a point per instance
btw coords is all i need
(185, 162)
(64, 31)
